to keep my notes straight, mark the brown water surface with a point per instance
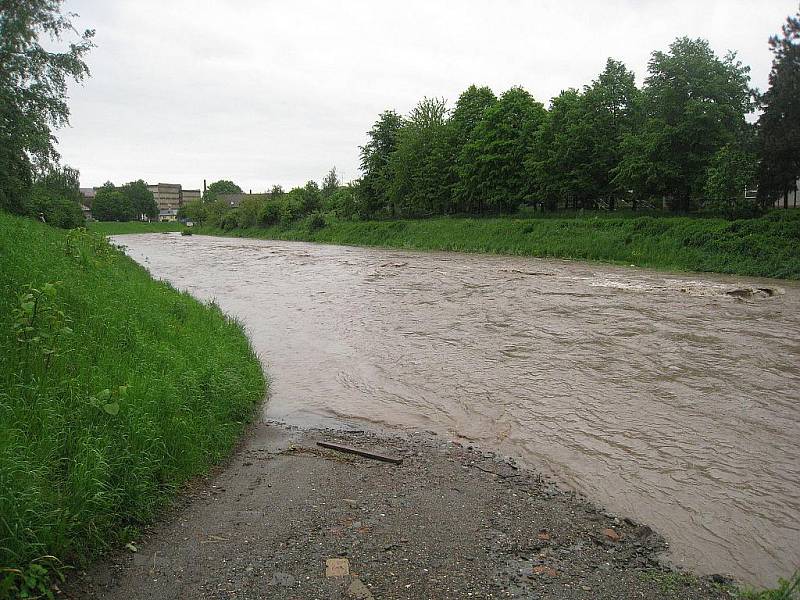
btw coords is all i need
(673, 399)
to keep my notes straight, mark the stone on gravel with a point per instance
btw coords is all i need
(358, 591)
(337, 567)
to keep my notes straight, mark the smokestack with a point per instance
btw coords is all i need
(204, 187)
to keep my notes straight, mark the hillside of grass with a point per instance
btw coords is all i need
(768, 246)
(115, 389)
(122, 227)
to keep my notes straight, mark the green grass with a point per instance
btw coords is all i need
(122, 227)
(115, 389)
(768, 246)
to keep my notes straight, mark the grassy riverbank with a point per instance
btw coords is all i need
(766, 246)
(114, 390)
(120, 227)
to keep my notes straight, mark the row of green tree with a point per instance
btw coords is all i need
(683, 139)
(275, 207)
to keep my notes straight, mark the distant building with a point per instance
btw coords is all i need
(88, 194)
(87, 212)
(189, 196)
(232, 200)
(169, 214)
(166, 195)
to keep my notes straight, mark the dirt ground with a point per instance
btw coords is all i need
(287, 519)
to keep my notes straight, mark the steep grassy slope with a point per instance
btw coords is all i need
(114, 390)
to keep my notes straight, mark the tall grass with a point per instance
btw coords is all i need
(768, 246)
(114, 390)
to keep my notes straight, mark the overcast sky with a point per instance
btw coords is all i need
(268, 92)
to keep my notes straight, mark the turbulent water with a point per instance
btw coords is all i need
(673, 399)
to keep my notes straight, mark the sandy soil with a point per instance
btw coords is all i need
(288, 519)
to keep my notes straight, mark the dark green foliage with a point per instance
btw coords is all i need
(375, 154)
(342, 203)
(249, 211)
(420, 166)
(732, 171)
(111, 204)
(309, 197)
(330, 183)
(467, 115)
(194, 211)
(55, 199)
(779, 124)
(494, 172)
(223, 186)
(33, 89)
(114, 390)
(694, 104)
(269, 213)
(140, 199)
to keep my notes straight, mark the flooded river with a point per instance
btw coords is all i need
(673, 399)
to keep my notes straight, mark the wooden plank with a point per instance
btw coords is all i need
(359, 452)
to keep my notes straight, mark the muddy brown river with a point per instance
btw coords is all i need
(672, 399)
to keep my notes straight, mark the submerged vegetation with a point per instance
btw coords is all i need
(114, 390)
(765, 246)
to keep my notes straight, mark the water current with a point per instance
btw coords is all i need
(670, 398)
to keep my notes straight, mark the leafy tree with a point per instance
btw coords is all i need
(194, 211)
(215, 212)
(695, 103)
(494, 175)
(559, 160)
(421, 165)
(467, 114)
(375, 154)
(33, 90)
(611, 106)
(110, 204)
(309, 196)
(270, 213)
(140, 198)
(779, 124)
(330, 183)
(342, 203)
(276, 191)
(731, 173)
(56, 198)
(216, 189)
(249, 210)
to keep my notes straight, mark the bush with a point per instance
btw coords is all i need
(316, 221)
(291, 209)
(230, 220)
(270, 213)
(55, 210)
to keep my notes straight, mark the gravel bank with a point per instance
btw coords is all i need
(287, 519)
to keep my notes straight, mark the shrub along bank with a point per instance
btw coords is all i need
(114, 390)
(765, 246)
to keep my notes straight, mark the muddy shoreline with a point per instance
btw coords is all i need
(452, 521)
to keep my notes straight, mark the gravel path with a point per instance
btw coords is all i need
(288, 519)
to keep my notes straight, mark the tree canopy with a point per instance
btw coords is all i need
(223, 186)
(33, 90)
(779, 124)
